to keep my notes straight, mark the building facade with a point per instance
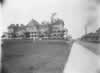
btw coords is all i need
(58, 29)
(33, 29)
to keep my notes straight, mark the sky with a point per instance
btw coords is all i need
(22, 11)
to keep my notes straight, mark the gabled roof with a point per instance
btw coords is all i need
(32, 23)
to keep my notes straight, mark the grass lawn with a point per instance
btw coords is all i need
(93, 47)
(28, 56)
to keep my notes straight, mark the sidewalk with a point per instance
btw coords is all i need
(81, 60)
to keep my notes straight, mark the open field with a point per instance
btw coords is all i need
(29, 56)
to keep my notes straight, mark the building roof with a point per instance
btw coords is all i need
(32, 23)
(44, 26)
(57, 22)
(11, 26)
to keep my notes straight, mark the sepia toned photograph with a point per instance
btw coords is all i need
(49, 36)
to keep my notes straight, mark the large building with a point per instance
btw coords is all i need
(35, 30)
(44, 30)
(58, 28)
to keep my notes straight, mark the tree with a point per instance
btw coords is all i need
(3, 36)
(14, 27)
